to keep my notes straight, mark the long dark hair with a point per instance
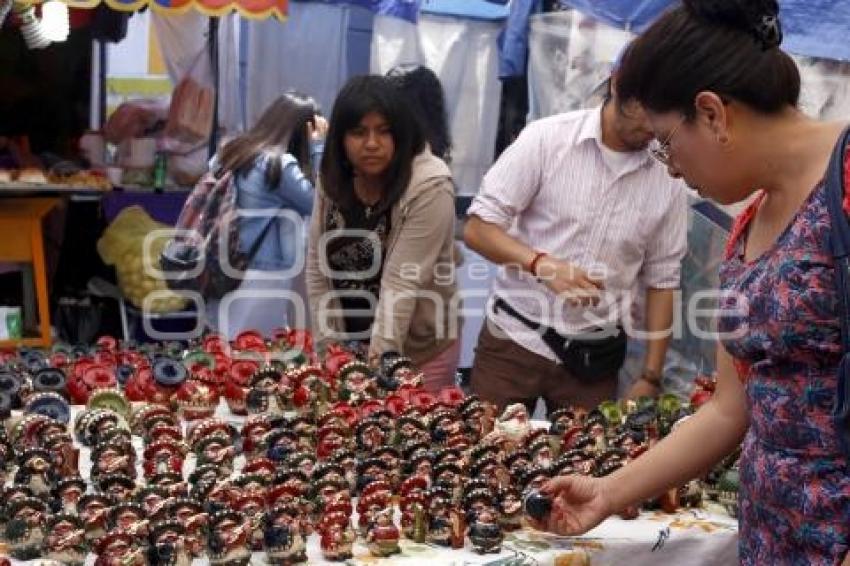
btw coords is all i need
(729, 47)
(360, 96)
(281, 129)
(422, 88)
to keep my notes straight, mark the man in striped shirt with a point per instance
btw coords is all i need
(577, 213)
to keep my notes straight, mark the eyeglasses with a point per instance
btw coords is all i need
(661, 151)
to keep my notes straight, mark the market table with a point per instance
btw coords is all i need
(22, 242)
(689, 538)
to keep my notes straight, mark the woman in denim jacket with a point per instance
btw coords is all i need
(274, 164)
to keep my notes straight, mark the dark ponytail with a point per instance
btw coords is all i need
(729, 47)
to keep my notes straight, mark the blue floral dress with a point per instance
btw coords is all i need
(785, 336)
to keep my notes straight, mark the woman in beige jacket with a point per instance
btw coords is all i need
(380, 260)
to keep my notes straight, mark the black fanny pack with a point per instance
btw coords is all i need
(585, 357)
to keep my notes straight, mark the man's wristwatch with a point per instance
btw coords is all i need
(651, 376)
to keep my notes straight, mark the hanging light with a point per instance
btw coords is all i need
(55, 21)
(34, 35)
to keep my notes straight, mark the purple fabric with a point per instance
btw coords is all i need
(162, 207)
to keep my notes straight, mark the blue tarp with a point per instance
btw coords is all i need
(474, 9)
(817, 28)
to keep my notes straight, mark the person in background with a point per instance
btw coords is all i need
(722, 98)
(577, 213)
(274, 165)
(421, 87)
(380, 255)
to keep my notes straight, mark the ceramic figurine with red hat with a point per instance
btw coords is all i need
(337, 537)
(35, 471)
(163, 456)
(190, 513)
(216, 449)
(253, 435)
(439, 516)
(65, 541)
(252, 507)
(485, 533)
(113, 458)
(129, 517)
(24, 527)
(514, 423)
(510, 508)
(67, 493)
(382, 537)
(120, 549)
(168, 544)
(284, 536)
(94, 509)
(196, 400)
(370, 435)
(119, 487)
(154, 500)
(228, 542)
(357, 384)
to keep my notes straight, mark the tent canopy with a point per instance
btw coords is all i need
(251, 9)
(814, 28)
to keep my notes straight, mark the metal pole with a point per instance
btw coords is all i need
(214, 63)
(97, 93)
(96, 87)
(104, 68)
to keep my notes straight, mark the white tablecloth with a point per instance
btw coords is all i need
(689, 538)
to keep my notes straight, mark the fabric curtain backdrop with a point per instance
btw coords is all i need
(464, 54)
(571, 54)
(807, 30)
(183, 43)
(306, 53)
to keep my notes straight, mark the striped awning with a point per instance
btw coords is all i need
(252, 9)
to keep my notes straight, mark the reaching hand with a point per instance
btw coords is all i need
(643, 388)
(569, 280)
(579, 503)
(317, 128)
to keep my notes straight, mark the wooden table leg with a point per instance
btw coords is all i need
(39, 269)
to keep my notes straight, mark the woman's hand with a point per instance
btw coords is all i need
(643, 388)
(317, 128)
(579, 503)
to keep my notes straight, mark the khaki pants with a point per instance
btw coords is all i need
(504, 373)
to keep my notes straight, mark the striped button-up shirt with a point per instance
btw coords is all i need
(555, 190)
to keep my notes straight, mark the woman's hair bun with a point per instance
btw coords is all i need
(760, 18)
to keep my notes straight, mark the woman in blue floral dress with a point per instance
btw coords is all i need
(722, 99)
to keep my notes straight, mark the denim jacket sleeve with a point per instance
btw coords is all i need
(297, 188)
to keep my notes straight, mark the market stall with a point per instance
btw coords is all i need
(262, 451)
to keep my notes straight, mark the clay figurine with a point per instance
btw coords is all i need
(510, 508)
(337, 537)
(66, 540)
(228, 539)
(23, 531)
(94, 509)
(119, 549)
(440, 523)
(35, 471)
(514, 423)
(68, 492)
(284, 536)
(168, 544)
(485, 532)
(382, 537)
